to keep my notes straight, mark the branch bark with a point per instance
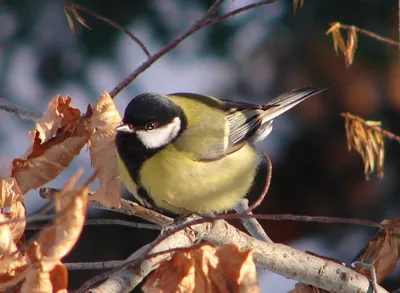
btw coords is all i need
(278, 258)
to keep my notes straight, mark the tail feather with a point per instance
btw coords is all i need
(286, 101)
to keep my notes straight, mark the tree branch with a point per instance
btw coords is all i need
(95, 222)
(278, 258)
(128, 207)
(19, 111)
(110, 22)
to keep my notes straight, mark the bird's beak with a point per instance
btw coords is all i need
(124, 128)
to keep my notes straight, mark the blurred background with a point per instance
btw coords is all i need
(251, 57)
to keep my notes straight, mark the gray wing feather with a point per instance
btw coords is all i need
(242, 124)
(246, 120)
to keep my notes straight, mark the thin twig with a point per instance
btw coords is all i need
(133, 209)
(371, 269)
(370, 34)
(237, 11)
(95, 222)
(18, 111)
(96, 265)
(128, 207)
(112, 23)
(203, 22)
(303, 218)
(384, 132)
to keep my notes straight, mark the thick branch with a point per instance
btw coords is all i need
(278, 258)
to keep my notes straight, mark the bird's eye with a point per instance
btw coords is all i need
(151, 125)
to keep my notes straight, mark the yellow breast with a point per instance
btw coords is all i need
(174, 180)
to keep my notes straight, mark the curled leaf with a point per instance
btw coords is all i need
(102, 126)
(42, 281)
(304, 288)
(366, 138)
(13, 263)
(11, 197)
(338, 42)
(7, 244)
(297, 3)
(9, 191)
(70, 20)
(351, 46)
(55, 241)
(72, 9)
(46, 272)
(58, 114)
(205, 269)
(57, 139)
(383, 251)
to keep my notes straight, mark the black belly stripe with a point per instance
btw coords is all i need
(148, 202)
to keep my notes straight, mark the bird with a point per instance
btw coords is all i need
(185, 153)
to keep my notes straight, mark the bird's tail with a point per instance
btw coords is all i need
(286, 101)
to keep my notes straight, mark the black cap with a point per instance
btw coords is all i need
(151, 107)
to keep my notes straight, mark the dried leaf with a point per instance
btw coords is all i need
(59, 278)
(37, 281)
(79, 18)
(64, 133)
(205, 269)
(296, 3)
(304, 288)
(47, 273)
(70, 20)
(338, 42)
(17, 212)
(42, 281)
(351, 46)
(12, 262)
(71, 8)
(102, 126)
(383, 251)
(9, 192)
(7, 244)
(58, 114)
(366, 138)
(11, 196)
(56, 241)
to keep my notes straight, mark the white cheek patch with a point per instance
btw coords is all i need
(161, 136)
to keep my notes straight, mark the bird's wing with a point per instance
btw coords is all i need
(211, 137)
(243, 123)
(246, 119)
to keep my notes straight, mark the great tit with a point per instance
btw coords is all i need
(186, 152)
